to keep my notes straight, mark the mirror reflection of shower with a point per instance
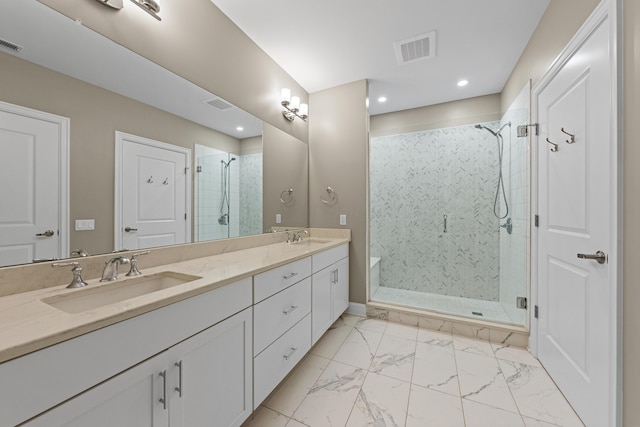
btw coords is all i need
(225, 173)
(500, 190)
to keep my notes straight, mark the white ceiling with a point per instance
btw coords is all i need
(326, 43)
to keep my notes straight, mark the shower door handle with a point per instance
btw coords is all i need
(444, 217)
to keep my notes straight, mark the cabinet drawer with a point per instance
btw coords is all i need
(272, 281)
(274, 363)
(328, 257)
(275, 315)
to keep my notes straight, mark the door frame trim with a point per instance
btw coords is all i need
(607, 9)
(63, 124)
(118, 187)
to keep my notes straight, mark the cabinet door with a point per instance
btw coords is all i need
(321, 310)
(211, 375)
(130, 399)
(340, 287)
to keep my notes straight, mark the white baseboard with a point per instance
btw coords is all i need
(357, 309)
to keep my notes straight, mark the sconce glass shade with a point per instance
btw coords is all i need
(295, 103)
(285, 96)
(304, 110)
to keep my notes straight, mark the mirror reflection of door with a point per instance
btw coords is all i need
(152, 193)
(33, 193)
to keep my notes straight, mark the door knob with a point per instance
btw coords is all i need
(130, 230)
(599, 256)
(47, 233)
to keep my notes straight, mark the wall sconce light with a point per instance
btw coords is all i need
(292, 106)
(152, 7)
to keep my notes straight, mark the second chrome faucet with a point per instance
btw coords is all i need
(110, 271)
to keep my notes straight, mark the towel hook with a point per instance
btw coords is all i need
(150, 180)
(166, 181)
(289, 198)
(332, 196)
(573, 137)
(555, 146)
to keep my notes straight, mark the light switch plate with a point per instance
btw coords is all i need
(278, 218)
(343, 219)
(85, 224)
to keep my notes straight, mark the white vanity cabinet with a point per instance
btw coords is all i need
(116, 370)
(330, 288)
(202, 381)
(282, 324)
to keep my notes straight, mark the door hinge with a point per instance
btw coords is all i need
(535, 311)
(199, 169)
(536, 220)
(186, 170)
(521, 302)
(185, 216)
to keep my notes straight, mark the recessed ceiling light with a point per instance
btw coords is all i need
(382, 99)
(239, 128)
(462, 83)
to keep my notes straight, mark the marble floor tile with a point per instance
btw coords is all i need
(435, 369)
(370, 324)
(265, 417)
(289, 394)
(530, 422)
(443, 339)
(481, 381)
(431, 408)
(479, 415)
(514, 354)
(294, 423)
(359, 348)
(382, 401)
(332, 397)
(537, 395)
(401, 330)
(472, 345)
(369, 372)
(394, 357)
(328, 345)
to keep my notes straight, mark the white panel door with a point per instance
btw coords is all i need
(33, 153)
(153, 197)
(575, 214)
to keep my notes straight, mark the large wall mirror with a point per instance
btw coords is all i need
(236, 164)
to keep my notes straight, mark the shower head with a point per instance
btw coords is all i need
(484, 127)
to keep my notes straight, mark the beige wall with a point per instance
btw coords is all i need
(285, 161)
(559, 23)
(338, 158)
(95, 116)
(631, 213)
(472, 110)
(199, 43)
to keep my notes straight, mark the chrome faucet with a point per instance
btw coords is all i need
(297, 236)
(110, 271)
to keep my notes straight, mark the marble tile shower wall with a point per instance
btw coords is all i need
(415, 180)
(250, 194)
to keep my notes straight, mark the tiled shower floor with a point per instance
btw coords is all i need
(369, 372)
(491, 310)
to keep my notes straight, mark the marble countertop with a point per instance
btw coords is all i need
(28, 324)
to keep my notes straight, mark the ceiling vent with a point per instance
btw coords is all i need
(11, 46)
(219, 104)
(416, 48)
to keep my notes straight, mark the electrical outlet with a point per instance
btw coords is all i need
(343, 219)
(85, 224)
(278, 218)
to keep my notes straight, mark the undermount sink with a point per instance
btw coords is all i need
(90, 297)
